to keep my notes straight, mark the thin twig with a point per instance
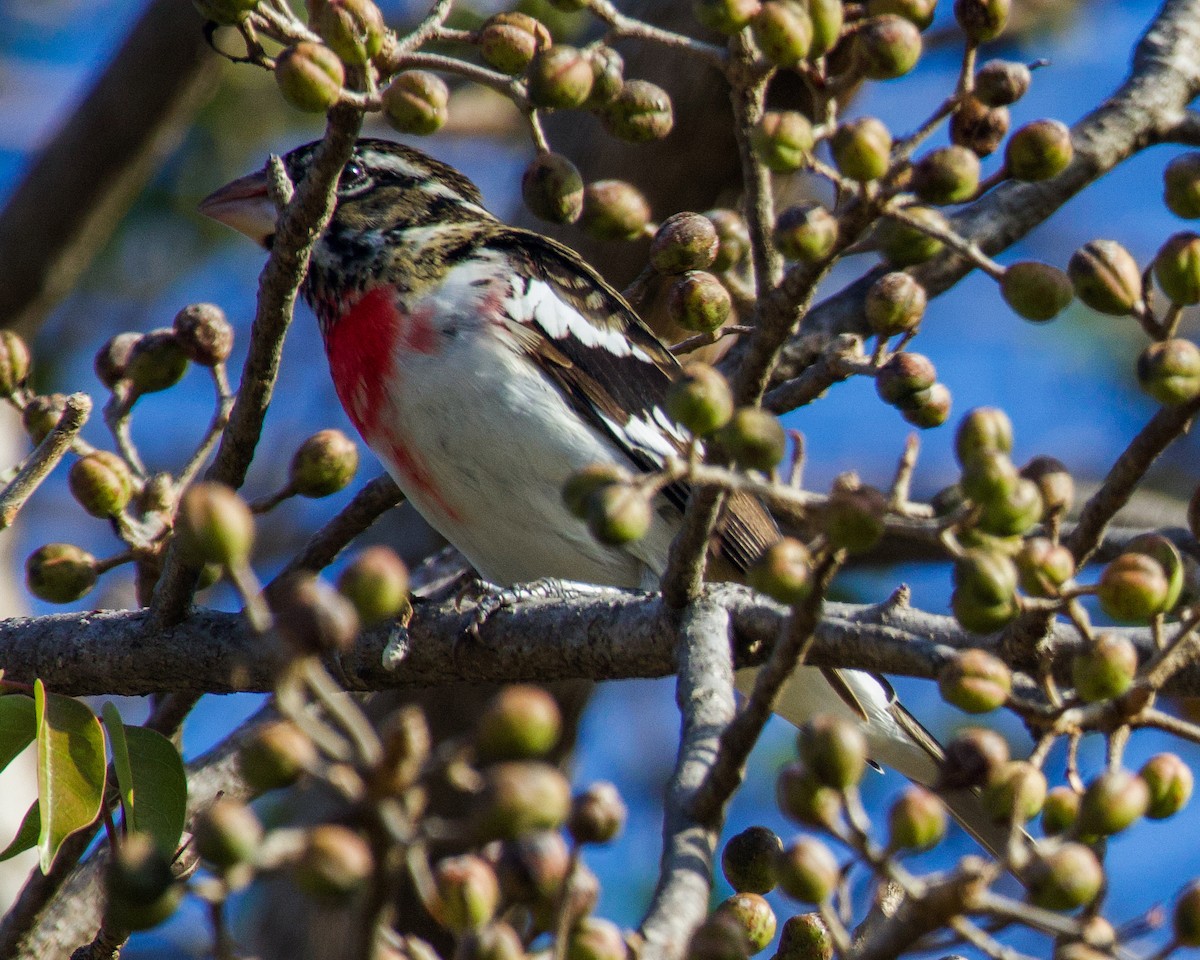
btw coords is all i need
(45, 457)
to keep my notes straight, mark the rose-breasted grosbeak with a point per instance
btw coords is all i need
(484, 364)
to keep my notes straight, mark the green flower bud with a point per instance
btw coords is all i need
(783, 572)
(755, 916)
(1036, 291)
(1060, 811)
(608, 77)
(496, 941)
(1134, 588)
(619, 513)
(733, 239)
(919, 12)
(596, 939)
(989, 476)
(1053, 481)
(583, 483)
(975, 681)
(1039, 150)
(1014, 514)
(521, 723)
(927, 408)
(614, 210)
(1106, 670)
(862, 149)
(1106, 278)
(895, 304)
(376, 582)
(1016, 792)
(982, 20)
(1158, 547)
(1177, 268)
(641, 112)
(310, 76)
(904, 245)
(983, 430)
(60, 573)
(783, 31)
(1181, 186)
(973, 758)
(276, 755)
(783, 140)
(826, 17)
(978, 127)
(1066, 878)
(14, 363)
(552, 188)
(466, 893)
(902, 375)
(141, 889)
(802, 798)
(887, 47)
(698, 301)
(335, 865)
(597, 815)
(806, 233)
(1044, 567)
(226, 833)
(214, 525)
(999, 83)
(559, 78)
(521, 797)
(749, 859)
(1186, 921)
(1169, 371)
(204, 334)
(416, 102)
(112, 359)
(684, 241)
(725, 16)
(805, 937)
(700, 399)
(311, 617)
(808, 871)
(917, 821)
(754, 439)
(325, 463)
(1113, 802)
(946, 175)
(1170, 782)
(508, 41)
(102, 483)
(353, 29)
(834, 750)
(853, 516)
(156, 361)
(984, 598)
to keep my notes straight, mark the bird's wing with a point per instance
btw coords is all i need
(613, 370)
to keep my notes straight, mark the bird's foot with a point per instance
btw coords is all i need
(500, 598)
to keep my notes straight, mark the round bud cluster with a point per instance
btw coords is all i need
(1039, 150)
(984, 598)
(753, 439)
(946, 175)
(521, 723)
(783, 140)
(335, 864)
(862, 149)
(354, 29)
(311, 617)
(552, 188)
(559, 78)
(641, 112)
(783, 32)
(1107, 278)
(749, 859)
(754, 915)
(700, 399)
(699, 302)
(416, 102)
(376, 582)
(908, 381)
(509, 41)
(60, 572)
(1181, 186)
(323, 464)
(912, 240)
(614, 210)
(894, 305)
(979, 127)
(310, 76)
(1036, 291)
(783, 572)
(807, 233)
(886, 47)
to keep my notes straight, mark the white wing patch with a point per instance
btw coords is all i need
(642, 434)
(537, 301)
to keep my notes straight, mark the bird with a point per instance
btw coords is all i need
(485, 364)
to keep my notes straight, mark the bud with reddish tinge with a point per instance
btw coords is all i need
(113, 358)
(310, 76)
(559, 77)
(1054, 483)
(917, 820)
(783, 31)
(801, 797)
(978, 127)
(552, 188)
(204, 334)
(734, 238)
(522, 797)
(975, 681)
(226, 833)
(887, 47)
(354, 29)
(895, 304)
(1106, 277)
(614, 210)
(323, 465)
(1066, 878)
(619, 513)
(312, 617)
(805, 937)
(1044, 566)
(946, 175)
(700, 399)
(1170, 782)
(683, 242)
(1014, 513)
(834, 750)
(1113, 802)
(853, 516)
(1134, 587)
(999, 83)
(808, 871)
(1060, 810)
(755, 916)
(1015, 792)
(508, 41)
(641, 112)
(466, 893)
(698, 301)
(416, 101)
(982, 20)
(973, 759)
(1106, 669)
(983, 430)
(783, 140)
(902, 375)
(598, 814)
(583, 483)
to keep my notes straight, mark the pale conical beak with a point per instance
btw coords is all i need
(244, 205)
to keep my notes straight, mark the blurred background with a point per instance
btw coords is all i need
(1068, 386)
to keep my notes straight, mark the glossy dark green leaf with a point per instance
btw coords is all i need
(27, 834)
(18, 725)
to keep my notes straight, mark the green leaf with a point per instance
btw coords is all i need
(18, 724)
(114, 726)
(157, 802)
(71, 769)
(27, 833)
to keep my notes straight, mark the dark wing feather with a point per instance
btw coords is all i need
(623, 395)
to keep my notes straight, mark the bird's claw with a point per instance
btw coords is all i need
(500, 598)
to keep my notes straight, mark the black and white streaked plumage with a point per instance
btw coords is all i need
(485, 364)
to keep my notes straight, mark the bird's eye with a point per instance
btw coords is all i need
(354, 177)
